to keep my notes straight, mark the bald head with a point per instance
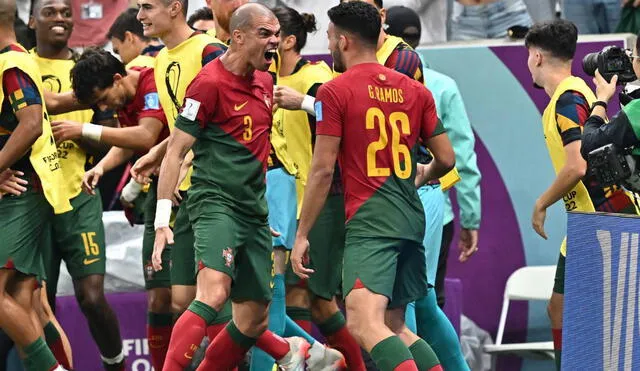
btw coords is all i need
(243, 18)
(7, 13)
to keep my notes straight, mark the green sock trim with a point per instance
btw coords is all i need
(333, 324)
(424, 355)
(297, 313)
(389, 353)
(207, 313)
(558, 359)
(239, 338)
(51, 334)
(159, 319)
(38, 357)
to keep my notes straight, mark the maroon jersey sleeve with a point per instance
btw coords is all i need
(407, 62)
(199, 104)
(151, 106)
(329, 115)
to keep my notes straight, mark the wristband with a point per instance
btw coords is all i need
(91, 131)
(163, 213)
(600, 103)
(131, 191)
(308, 105)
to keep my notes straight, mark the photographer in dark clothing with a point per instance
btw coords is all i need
(623, 130)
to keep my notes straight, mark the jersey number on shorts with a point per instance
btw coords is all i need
(247, 135)
(90, 247)
(399, 124)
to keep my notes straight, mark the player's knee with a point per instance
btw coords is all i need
(253, 325)
(180, 303)
(91, 302)
(214, 296)
(322, 310)
(159, 300)
(297, 297)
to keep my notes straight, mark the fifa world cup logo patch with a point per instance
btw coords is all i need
(227, 255)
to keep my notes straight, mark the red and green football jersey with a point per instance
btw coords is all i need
(381, 116)
(231, 118)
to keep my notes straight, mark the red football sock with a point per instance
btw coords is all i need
(343, 341)
(158, 338)
(214, 330)
(185, 340)
(273, 345)
(436, 368)
(305, 325)
(227, 350)
(410, 365)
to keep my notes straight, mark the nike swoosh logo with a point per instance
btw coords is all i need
(239, 107)
(187, 356)
(90, 261)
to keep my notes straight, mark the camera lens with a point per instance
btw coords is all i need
(590, 63)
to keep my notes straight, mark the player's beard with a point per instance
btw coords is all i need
(338, 61)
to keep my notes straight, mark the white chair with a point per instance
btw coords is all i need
(527, 283)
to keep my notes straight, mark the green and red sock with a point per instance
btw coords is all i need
(392, 355)
(159, 326)
(187, 335)
(301, 316)
(424, 356)
(38, 357)
(54, 341)
(338, 336)
(227, 349)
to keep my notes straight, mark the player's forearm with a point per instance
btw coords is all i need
(114, 158)
(136, 138)
(315, 195)
(160, 149)
(434, 170)
(60, 103)
(169, 174)
(566, 180)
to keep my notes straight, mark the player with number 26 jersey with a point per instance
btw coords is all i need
(381, 121)
(379, 140)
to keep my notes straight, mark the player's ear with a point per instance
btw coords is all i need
(383, 15)
(290, 42)
(175, 9)
(128, 37)
(116, 78)
(32, 23)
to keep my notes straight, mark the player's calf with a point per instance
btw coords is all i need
(213, 289)
(102, 321)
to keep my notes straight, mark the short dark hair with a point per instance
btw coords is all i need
(127, 21)
(558, 37)
(295, 24)
(202, 14)
(185, 5)
(358, 18)
(377, 2)
(638, 41)
(94, 70)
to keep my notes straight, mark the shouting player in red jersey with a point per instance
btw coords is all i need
(226, 118)
(375, 126)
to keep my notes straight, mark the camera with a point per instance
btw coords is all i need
(612, 60)
(610, 165)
